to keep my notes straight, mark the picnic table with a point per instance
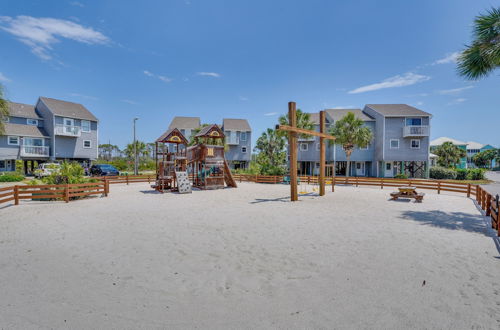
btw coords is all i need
(407, 192)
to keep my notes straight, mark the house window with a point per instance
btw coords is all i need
(33, 122)
(394, 144)
(13, 140)
(85, 126)
(304, 147)
(317, 146)
(2, 164)
(243, 136)
(413, 121)
(244, 150)
(87, 144)
(364, 148)
(33, 142)
(415, 144)
(6, 119)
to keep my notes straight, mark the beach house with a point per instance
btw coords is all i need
(239, 142)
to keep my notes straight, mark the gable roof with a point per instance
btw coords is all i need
(185, 122)
(337, 114)
(397, 110)
(172, 136)
(24, 130)
(439, 141)
(314, 117)
(212, 131)
(236, 124)
(23, 110)
(474, 145)
(68, 109)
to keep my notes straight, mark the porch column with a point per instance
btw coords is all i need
(382, 169)
(427, 170)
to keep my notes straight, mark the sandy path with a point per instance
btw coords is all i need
(224, 259)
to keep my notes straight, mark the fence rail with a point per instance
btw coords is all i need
(128, 178)
(64, 192)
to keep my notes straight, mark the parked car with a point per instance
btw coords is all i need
(103, 170)
(46, 169)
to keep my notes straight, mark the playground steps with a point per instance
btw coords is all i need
(228, 177)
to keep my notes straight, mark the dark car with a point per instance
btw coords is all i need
(103, 170)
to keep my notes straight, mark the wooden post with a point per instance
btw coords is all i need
(126, 178)
(357, 182)
(106, 187)
(468, 190)
(322, 153)
(382, 183)
(292, 145)
(66, 193)
(439, 187)
(488, 204)
(478, 193)
(16, 195)
(483, 199)
(333, 175)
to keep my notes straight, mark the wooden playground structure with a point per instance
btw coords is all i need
(204, 163)
(293, 132)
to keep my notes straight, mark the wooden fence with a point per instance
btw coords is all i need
(63, 192)
(128, 178)
(490, 205)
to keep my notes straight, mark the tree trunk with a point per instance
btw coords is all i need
(348, 166)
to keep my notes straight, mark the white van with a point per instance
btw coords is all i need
(47, 169)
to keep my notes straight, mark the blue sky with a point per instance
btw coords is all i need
(245, 59)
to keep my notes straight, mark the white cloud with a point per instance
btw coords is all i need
(130, 102)
(457, 101)
(162, 78)
(83, 96)
(209, 74)
(454, 90)
(3, 78)
(397, 81)
(420, 103)
(77, 4)
(343, 107)
(40, 34)
(449, 58)
(243, 98)
(270, 114)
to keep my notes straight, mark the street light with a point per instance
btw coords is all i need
(135, 150)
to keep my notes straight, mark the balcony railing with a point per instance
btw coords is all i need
(34, 151)
(415, 131)
(67, 130)
(232, 140)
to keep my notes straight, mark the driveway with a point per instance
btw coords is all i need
(494, 187)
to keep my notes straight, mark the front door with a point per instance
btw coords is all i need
(360, 168)
(389, 171)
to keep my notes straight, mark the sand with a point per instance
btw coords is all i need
(247, 258)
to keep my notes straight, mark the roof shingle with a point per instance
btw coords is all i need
(185, 122)
(337, 114)
(23, 110)
(68, 109)
(236, 125)
(24, 130)
(397, 110)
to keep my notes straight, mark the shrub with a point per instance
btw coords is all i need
(475, 174)
(11, 177)
(68, 173)
(440, 173)
(462, 174)
(401, 176)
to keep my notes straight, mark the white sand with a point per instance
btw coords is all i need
(248, 258)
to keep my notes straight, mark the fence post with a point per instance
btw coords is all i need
(468, 190)
(66, 193)
(382, 183)
(16, 195)
(488, 204)
(357, 181)
(127, 178)
(149, 179)
(483, 200)
(439, 187)
(478, 193)
(106, 187)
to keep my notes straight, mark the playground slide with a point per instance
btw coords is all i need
(228, 177)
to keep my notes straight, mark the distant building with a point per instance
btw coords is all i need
(51, 130)
(239, 140)
(462, 145)
(472, 148)
(185, 124)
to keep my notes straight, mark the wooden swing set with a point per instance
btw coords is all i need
(293, 132)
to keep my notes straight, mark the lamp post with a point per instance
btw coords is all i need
(135, 150)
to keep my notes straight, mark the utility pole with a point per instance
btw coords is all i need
(135, 150)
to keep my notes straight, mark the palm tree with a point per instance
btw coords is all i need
(271, 148)
(449, 155)
(141, 149)
(350, 132)
(303, 121)
(483, 56)
(4, 111)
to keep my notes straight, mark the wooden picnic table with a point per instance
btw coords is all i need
(407, 192)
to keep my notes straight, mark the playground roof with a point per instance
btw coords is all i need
(172, 136)
(211, 131)
(236, 125)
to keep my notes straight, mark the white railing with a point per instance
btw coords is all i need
(67, 130)
(233, 140)
(35, 151)
(409, 131)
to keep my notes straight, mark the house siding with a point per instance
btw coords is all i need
(72, 147)
(234, 152)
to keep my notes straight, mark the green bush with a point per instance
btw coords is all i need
(475, 174)
(441, 173)
(401, 176)
(11, 177)
(462, 174)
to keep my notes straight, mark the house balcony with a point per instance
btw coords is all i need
(416, 131)
(66, 130)
(34, 151)
(232, 141)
